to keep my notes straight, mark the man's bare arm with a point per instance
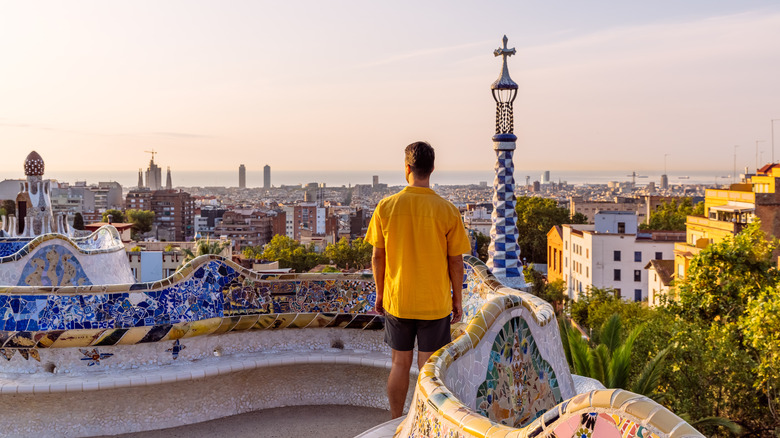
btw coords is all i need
(378, 266)
(455, 268)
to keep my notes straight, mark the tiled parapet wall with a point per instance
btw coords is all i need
(211, 295)
(56, 260)
(506, 376)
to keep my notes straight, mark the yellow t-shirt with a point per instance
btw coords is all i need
(418, 230)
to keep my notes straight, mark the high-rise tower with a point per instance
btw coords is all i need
(267, 177)
(504, 252)
(168, 180)
(242, 177)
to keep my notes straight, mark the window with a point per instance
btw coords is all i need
(621, 228)
(566, 244)
(616, 275)
(637, 295)
(659, 256)
(587, 253)
(566, 262)
(587, 271)
(637, 275)
(616, 256)
(618, 294)
(637, 256)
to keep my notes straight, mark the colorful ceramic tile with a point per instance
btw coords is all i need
(519, 385)
(93, 356)
(176, 349)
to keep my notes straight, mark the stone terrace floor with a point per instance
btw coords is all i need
(325, 421)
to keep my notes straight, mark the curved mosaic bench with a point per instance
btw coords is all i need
(506, 376)
(123, 358)
(57, 260)
(210, 295)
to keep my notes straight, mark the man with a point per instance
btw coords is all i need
(419, 242)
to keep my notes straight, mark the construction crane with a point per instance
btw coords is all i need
(152, 152)
(634, 176)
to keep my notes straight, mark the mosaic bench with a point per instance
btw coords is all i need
(123, 358)
(507, 376)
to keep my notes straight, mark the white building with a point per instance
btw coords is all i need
(612, 253)
(478, 220)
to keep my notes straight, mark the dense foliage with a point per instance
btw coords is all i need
(671, 216)
(535, 217)
(117, 216)
(142, 221)
(719, 337)
(552, 292)
(7, 208)
(301, 258)
(483, 243)
(291, 254)
(346, 254)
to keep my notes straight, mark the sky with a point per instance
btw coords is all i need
(344, 85)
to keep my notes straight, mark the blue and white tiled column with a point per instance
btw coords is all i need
(504, 252)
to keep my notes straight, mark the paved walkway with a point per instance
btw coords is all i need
(334, 421)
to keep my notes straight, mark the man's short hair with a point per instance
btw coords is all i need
(419, 157)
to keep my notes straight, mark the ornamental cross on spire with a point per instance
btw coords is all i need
(504, 51)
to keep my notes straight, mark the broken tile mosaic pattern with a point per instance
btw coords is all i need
(520, 385)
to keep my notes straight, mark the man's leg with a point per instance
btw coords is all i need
(422, 357)
(398, 382)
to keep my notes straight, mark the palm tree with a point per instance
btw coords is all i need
(610, 361)
(205, 246)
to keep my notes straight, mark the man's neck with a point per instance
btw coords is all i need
(424, 183)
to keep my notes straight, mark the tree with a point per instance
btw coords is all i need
(204, 246)
(142, 221)
(252, 252)
(579, 218)
(78, 222)
(671, 216)
(346, 254)
(610, 361)
(593, 298)
(552, 292)
(483, 243)
(116, 215)
(291, 254)
(535, 217)
(9, 206)
(727, 334)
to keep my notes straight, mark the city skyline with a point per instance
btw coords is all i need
(605, 86)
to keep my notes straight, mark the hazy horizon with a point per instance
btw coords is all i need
(392, 178)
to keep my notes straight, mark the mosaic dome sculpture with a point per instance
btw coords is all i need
(33, 164)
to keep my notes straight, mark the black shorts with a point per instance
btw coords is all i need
(431, 334)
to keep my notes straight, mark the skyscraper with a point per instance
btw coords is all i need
(168, 180)
(242, 177)
(267, 177)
